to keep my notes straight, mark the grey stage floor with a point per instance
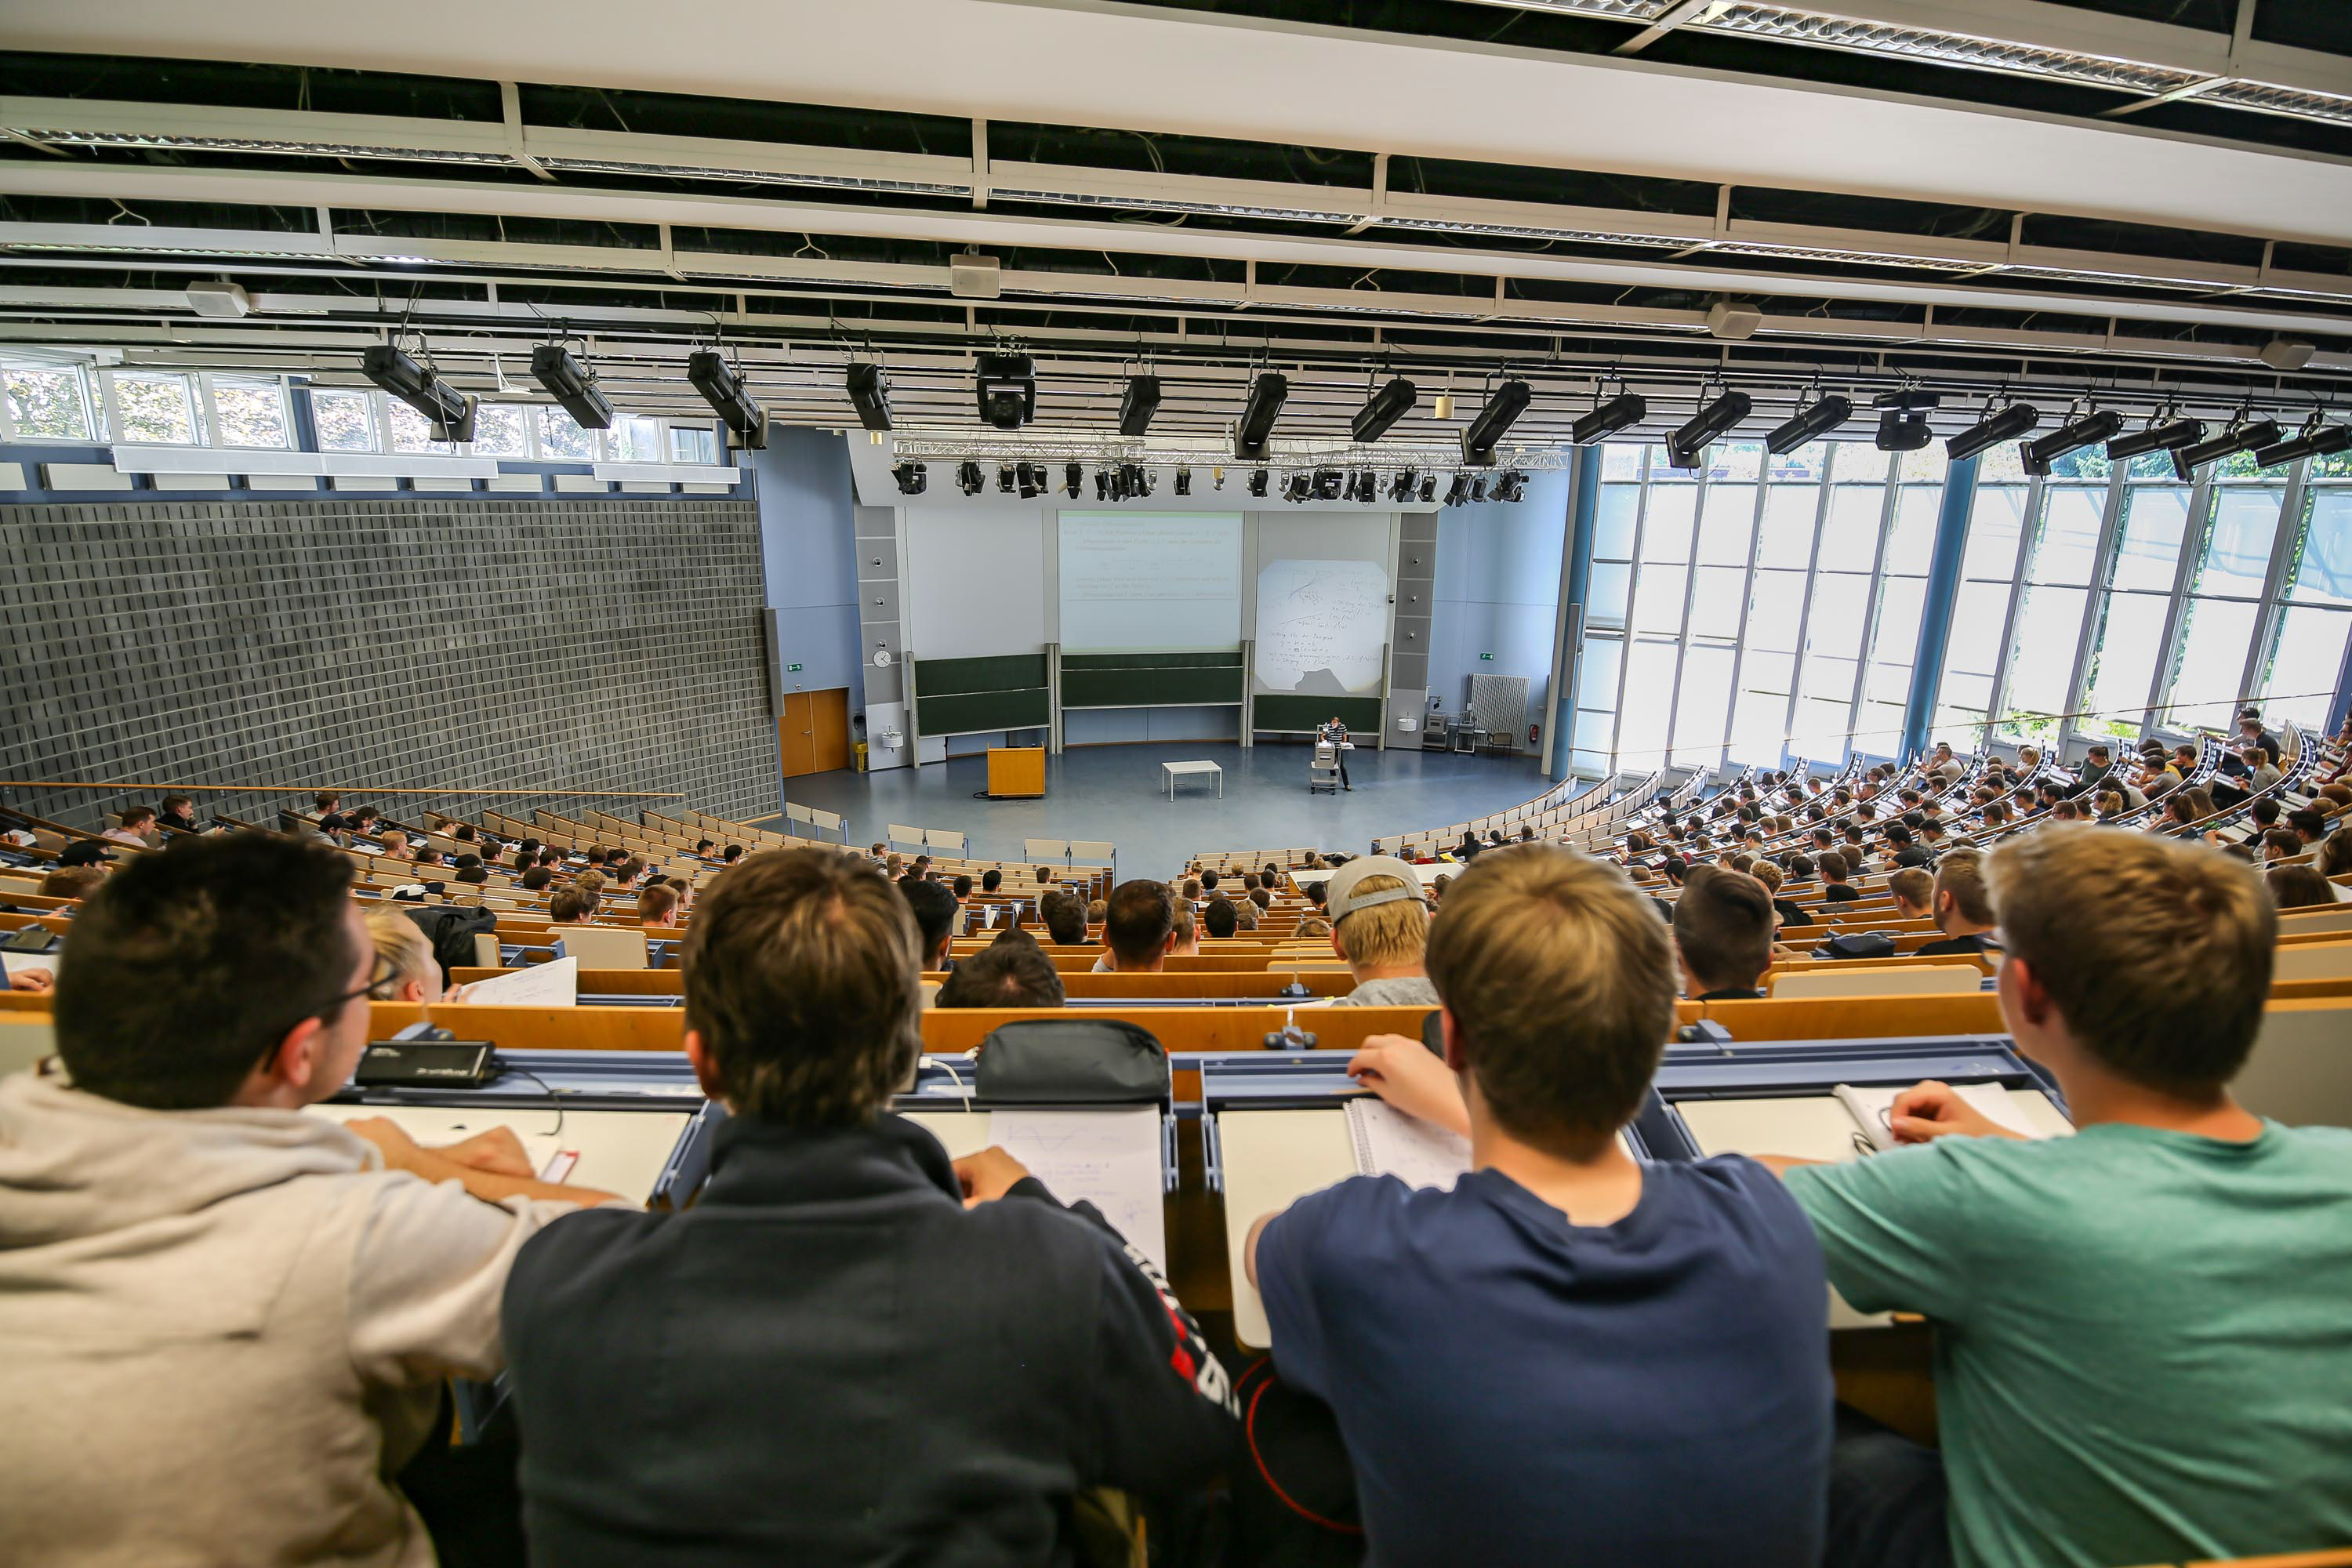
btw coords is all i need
(1114, 793)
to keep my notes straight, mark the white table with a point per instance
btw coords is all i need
(1170, 771)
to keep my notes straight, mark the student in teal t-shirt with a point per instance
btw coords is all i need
(2144, 1347)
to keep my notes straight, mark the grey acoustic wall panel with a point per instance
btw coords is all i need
(1410, 623)
(458, 644)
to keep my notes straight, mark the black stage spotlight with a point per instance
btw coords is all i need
(870, 394)
(2170, 436)
(1902, 419)
(1074, 478)
(1007, 389)
(1137, 404)
(1031, 477)
(1102, 484)
(1401, 487)
(1478, 489)
(2097, 426)
(1267, 394)
(451, 411)
(1183, 480)
(1458, 491)
(724, 390)
(1004, 478)
(1383, 409)
(1810, 423)
(1494, 422)
(1138, 479)
(911, 477)
(1428, 489)
(1364, 487)
(968, 479)
(1511, 486)
(572, 385)
(2315, 439)
(2241, 436)
(1607, 418)
(1329, 484)
(1687, 447)
(1297, 486)
(1257, 482)
(2005, 424)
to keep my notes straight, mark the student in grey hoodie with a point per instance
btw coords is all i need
(229, 1321)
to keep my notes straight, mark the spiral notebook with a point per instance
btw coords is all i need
(1388, 1142)
(1872, 1108)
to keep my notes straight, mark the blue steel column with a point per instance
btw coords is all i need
(1583, 504)
(1935, 613)
(2342, 702)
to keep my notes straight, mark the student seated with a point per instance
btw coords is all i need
(1723, 935)
(1219, 920)
(1184, 937)
(1065, 918)
(229, 1321)
(1005, 973)
(1138, 927)
(1570, 1356)
(1785, 911)
(934, 909)
(570, 906)
(1913, 892)
(2298, 888)
(1962, 910)
(2143, 1351)
(72, 883)
(1380, 926)
(178, 810)
(657, 905)
(848, 1350)
(136, 827)
(1835, 867)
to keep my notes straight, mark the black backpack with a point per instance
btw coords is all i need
(451, 929)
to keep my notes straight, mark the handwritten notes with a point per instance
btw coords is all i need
(1110, 1158)
(555, 984)
(1321, 626)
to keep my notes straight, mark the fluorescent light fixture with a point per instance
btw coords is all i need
(572, 385)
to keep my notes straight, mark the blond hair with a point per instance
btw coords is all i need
(1386, 934)
(1768, 874)
(402, 943)
(1560, 981)
(2156, 951)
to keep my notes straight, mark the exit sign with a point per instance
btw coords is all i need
(1481, 656)
(794, 668)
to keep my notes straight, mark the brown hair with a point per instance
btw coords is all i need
(570, 906)
(1003, 974)
(654, 904)
(2299, 888)
(1912, 886)
(2156, 952)
(1723, 927)
(1561, 986)
(801, 982)
(1834, 866)
(72, 881)
(1138, 921)
(1961, 874)
(1390, 933)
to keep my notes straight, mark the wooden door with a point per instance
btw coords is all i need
(829, 721)
(795, 735)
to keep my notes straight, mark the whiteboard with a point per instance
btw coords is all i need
(1140, 580)
(1322, 627)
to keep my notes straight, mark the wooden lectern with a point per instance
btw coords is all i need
(1016, 771)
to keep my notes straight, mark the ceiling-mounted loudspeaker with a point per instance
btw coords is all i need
(2286, 354)
(974, 276)
(219, 297)
(1732, 320)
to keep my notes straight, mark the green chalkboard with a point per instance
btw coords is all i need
(1216, 659)
(965, 713)
(1360, 714)
(1149, 687)
(1003, 672)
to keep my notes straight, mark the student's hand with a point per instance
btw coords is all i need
(31, 980)
(391, 1140)
(1414, 1078)
(497, 1150)
(1930, 1111)
(988, 1175)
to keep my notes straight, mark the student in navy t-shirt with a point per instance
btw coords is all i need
(1572, 1356)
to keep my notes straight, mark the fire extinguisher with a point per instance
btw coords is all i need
(1534, 731)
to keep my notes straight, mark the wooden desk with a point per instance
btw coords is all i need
(1016, 771)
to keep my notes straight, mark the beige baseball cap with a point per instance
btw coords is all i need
(1339, 895)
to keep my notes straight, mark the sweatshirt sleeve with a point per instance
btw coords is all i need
(427, 1272)
(1160, 1413)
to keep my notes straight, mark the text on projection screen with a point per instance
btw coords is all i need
(1322, 627)
(1132, 582)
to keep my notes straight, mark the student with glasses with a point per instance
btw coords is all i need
(229, 1322)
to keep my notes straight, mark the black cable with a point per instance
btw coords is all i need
(505, 1064)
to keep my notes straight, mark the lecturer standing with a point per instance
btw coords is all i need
(1337, 734)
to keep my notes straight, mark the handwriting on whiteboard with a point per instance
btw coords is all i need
(1321, 626)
